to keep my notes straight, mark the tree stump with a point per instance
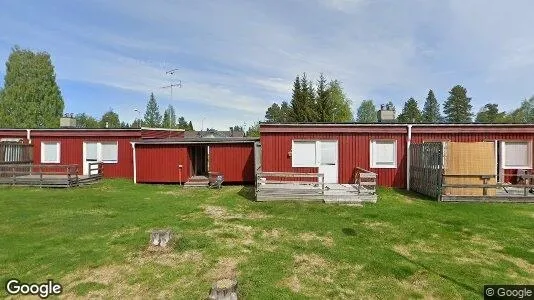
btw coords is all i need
(224, 289)
(161, 238)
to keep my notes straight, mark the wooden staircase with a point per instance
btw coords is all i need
(197, 181)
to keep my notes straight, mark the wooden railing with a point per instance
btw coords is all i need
(365, 180)
(485, 185)
(289, 185)
(96, 169)
(15, 153)
(42, 175)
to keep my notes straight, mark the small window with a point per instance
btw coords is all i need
(50, 152)
(109, 152)
(303, 154)
(383, 154)
(517, 155)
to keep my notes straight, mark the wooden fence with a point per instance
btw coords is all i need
(365, 181)
(426, 164)
(48, 175)
(289, 186)
(16, 153)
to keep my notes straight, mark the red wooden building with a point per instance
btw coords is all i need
(80, 147)
(178, 160)
(337, 149)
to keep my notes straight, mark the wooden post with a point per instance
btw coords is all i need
(13, 175)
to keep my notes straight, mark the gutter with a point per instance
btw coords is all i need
(134, 163)
(408, 156)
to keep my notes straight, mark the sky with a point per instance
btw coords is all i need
(237, 57)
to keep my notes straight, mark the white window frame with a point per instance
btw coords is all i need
(58, 160)
(503, 155)
(373, 164)
(99, 151)
(317, 162)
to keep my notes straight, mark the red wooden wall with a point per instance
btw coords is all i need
(159, 163)
(235, 161)
(353, 152)
(71, 152)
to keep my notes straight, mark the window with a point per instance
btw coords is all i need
(383, 154)
(109, 152)
(50, 152)
(106, 152)
(303, 154)
(517, 155)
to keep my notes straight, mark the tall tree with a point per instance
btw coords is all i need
(490, 114)
(341, 104)
(169, 118)
(523, 114)
(431, 109)
(84, 120)
(137, 123)
(410, 112)
(152, 114)
(125, 125)
(458, 106)
(324, 105)
(190, 126)
(182, 123)
(110, 120)
(302, 101)
(237, 128)
(273, 114)
(285, 112)
(31, 97)
(367, 112)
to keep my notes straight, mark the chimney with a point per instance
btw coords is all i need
(67, 121)
(386, 114)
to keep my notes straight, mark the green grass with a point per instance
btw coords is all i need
(93, 241)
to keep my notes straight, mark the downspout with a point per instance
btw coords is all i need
(408, 156)
(134, 163)
(29, 136)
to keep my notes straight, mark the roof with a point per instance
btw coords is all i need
(229, 140)
(213, 134)
(395, 127)
(143, 132)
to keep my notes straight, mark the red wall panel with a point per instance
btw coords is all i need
(71, 152)
(235, 161)
(159, 163)
(353, 152)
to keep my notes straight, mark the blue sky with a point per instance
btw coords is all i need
(237, 56)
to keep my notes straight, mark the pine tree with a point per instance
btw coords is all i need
(410, 112)
(31, 97)
(367, 112)
(302, 101)
(285, 112)
(430, 112)
(152, 114)
(273, 114)
(490, 114)
(190, 126)
(110, 120)
(169, 118)
(324, 105)
(458, 106)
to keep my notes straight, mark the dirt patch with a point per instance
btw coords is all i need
(104, 275)
(217, 212)
(124, 231)
(310, 236)
(272, 234)
(482, 241)
(379, 226)
(256, 215)
(225, 268)
(168, 257)
(402, 250)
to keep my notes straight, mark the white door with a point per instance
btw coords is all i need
(328, 161)
(90, 155)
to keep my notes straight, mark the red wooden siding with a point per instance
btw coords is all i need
(71, 152)
(159, 163)
(353, 150)
(235, 161)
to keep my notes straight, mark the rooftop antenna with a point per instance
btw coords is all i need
(171, 72)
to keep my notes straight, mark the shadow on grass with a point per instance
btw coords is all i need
(414, 195)
(247, 192)
(445, 277)
(349, 231)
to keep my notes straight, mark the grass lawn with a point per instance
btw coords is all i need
(93, 240)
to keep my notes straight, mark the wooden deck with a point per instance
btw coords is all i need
(284, 186)
(60, 176)
(511, 194)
